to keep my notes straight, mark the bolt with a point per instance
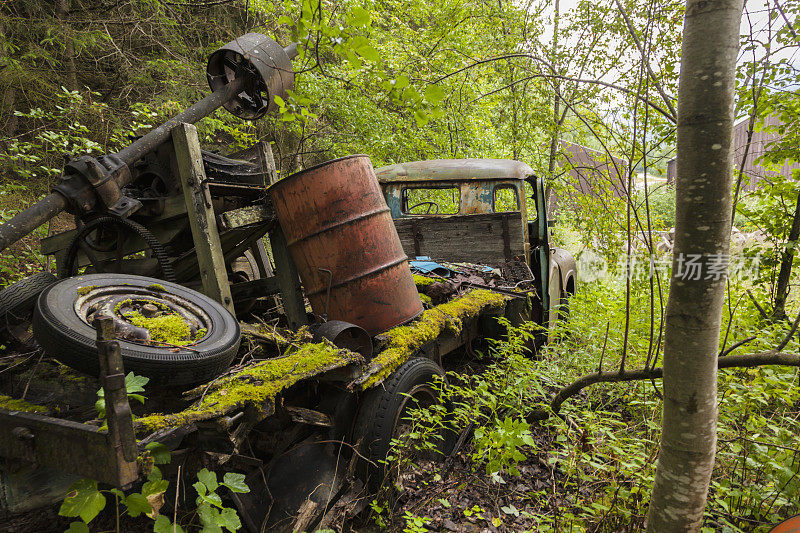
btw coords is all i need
(22, 433)
(149, 310)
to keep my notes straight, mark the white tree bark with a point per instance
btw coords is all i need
(702, 233)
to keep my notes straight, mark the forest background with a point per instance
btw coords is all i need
(408, 80)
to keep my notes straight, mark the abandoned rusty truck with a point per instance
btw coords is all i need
(278, 321)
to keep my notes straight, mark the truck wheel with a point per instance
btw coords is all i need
(65, 310)
(380, 417)
(16, 305)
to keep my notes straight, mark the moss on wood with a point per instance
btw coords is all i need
(401, 342)
(257, 385)
(14, 404)
(424, 281)
(83, 291)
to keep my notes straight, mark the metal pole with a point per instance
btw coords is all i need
(31, 218)
(144, 145)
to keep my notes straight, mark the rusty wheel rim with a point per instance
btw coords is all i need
(120, 302)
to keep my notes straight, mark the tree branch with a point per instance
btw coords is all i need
(669, 116)
(770, 357)
(646, 63)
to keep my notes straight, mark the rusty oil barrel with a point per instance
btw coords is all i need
(341, 237)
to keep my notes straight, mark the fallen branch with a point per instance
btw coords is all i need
(771, 357)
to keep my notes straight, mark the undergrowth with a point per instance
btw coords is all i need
(601, 451)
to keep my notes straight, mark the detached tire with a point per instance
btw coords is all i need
(383, 409)
(17, 302)
(18, 299)
(65, 335)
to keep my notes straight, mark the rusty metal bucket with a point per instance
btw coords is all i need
(341, 236)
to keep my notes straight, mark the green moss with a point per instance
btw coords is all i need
(425, 299)
(403, 341)
(170, 328)
(157, 287)
(14, 404)
(83, 291)
(424, 281)
(282, 338)
(257, 384)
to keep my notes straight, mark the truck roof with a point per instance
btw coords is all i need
(454, 170)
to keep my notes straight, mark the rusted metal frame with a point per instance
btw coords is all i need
(257, 233)
(255, 288)
(202, 220)
(118, 409)
(186, 266)
(286, 273)
(64, 445)
(294, 306)
(108, 457)
(42, 211)
(262, 258)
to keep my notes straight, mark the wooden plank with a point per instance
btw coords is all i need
(213, 272)
(482, 239)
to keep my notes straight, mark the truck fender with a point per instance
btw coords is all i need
(567, 269)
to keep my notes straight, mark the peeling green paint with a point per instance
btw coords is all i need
(257, 385)
(403, 341)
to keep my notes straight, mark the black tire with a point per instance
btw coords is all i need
(65, 336)
(383, 407)
(16, 309)
(18, 299)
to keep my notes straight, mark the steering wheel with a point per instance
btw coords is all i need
(430, 205)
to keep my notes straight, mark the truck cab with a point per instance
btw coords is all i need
(483, 211)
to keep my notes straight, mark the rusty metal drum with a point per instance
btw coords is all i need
(341, 237)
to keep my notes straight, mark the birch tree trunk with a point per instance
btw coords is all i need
(702, 235)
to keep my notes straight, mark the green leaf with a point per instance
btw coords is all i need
(235, 482)
(434, 94)
(401, 82)
(361, 16)
(137, 504)
(160, 453)
(369, 52)
(230, 520)
(100, 407)
(138, 397)
(83, 500)
(134, 383)
(200, 488)
(283, 19)
(213, 498)
(163, 524)
(77, 527)
(210, 518)
(421, 117)
(209, 479)
(154, 484)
